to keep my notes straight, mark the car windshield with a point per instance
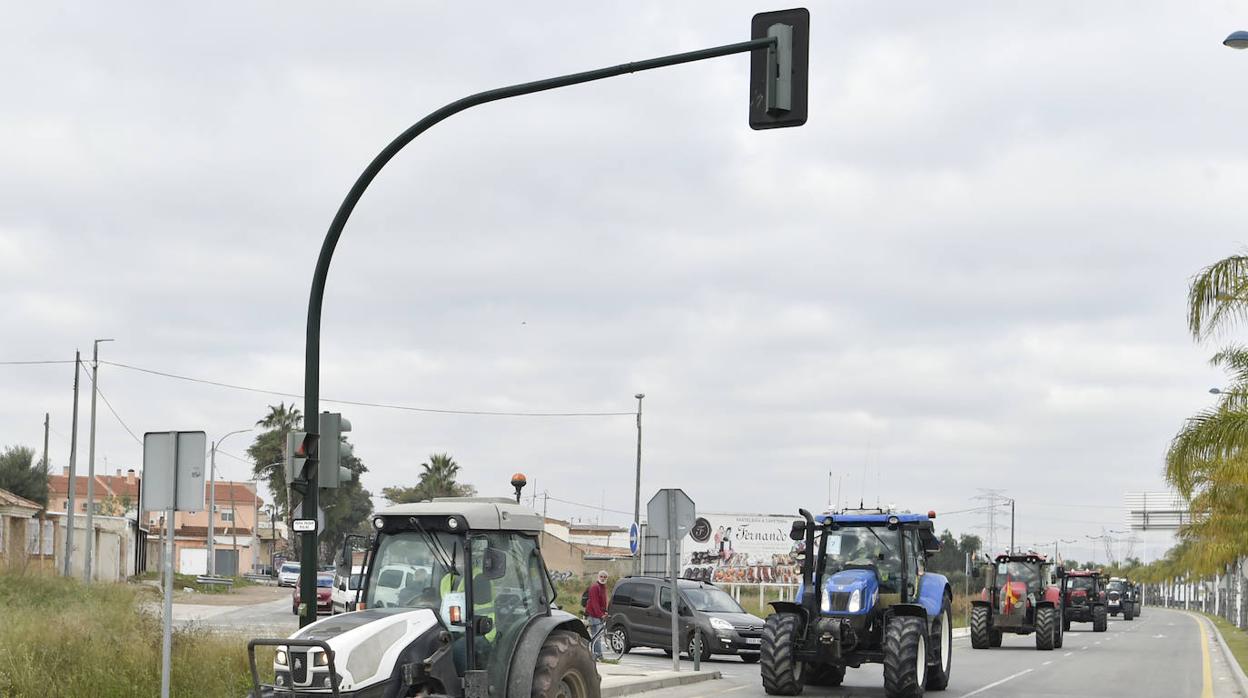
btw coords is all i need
(862, 546)
(1116, 586)
(290, 568)
(325, 582)
(712, 601)
(1084, 583)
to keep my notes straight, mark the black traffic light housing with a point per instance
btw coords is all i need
(779, 76)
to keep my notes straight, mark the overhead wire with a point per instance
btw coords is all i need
(110, 409)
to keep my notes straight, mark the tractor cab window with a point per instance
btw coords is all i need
(1026, 573)
(866, 547)
(1116, 586)
(1084, 583)
(408, 568)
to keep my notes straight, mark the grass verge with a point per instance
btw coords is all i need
(1236, 639)
(62, 638)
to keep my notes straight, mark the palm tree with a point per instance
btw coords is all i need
(282, 418)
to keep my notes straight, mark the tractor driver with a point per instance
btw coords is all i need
(482, 607)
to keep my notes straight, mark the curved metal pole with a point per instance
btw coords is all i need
(312, 351)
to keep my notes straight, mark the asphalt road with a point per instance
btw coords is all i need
(1159, 654)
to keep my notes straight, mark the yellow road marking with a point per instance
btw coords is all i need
(1206, 669)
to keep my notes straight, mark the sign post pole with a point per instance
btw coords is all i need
(673, 566)
(166, 642)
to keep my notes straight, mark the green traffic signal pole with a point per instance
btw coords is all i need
(312, 357)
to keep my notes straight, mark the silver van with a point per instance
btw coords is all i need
(639, 615)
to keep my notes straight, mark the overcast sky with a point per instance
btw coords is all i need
(967, 270)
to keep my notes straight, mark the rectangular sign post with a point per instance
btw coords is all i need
(173, 480)
(671, 513)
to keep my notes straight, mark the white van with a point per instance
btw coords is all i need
(342, 599)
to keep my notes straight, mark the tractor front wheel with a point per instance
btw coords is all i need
(782, 673)
(565, 668)
(1127, 612)
(981, 620)
(905, 657)
(1062, 625)
(1100, 622)
(1046, 628)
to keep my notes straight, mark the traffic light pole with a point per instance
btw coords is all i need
(312, 355)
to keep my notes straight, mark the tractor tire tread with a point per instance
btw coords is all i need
(565, 654)
(780, 671)
(1046, 628)
(902, 639)
(981, 619)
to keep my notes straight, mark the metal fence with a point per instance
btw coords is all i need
(1220, 595)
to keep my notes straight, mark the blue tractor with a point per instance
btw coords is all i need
(865, 597)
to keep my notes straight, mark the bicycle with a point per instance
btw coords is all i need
(614, 644)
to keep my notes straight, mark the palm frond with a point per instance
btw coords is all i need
(1218, 295)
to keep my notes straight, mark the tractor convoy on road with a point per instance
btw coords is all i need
(455, 599)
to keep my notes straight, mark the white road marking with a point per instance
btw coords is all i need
(1048, 662)
(1068, 654)
(996, 683)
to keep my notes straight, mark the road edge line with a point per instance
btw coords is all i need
(994, 684)
(1241, 680)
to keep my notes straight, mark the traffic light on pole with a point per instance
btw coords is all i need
(300, 447)
(332, 472)
(779, 76)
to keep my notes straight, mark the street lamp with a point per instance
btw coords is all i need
(637, 486)
(1237, 40)
(212, 504)
(95, 390)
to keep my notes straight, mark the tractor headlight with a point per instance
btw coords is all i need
(280, 657)
(825, 604)
(855, 601)
(721, 625)
(322, 659)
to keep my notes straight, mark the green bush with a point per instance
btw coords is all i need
(59, 637)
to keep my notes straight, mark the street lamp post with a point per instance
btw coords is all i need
(90, 532)
(1237, 40)
(212, 503)
(780, 47)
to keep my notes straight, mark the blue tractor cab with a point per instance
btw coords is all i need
(865, 597)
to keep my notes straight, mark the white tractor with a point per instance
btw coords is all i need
(473, 615)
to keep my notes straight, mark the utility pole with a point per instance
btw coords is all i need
(46, 424)
(1011, 525)
(88, 566)
(637, 487)
(73, 472)
(212, 510)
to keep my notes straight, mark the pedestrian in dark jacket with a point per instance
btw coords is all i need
(596, 610)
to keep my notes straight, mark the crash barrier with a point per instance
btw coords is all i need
(209, 580)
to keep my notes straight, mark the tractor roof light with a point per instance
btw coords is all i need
(452, 523)
(931, 513)
(893, 521)
(379, 523)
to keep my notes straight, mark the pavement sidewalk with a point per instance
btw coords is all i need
(626, 679)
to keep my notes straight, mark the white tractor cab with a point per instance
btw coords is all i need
(429, 624)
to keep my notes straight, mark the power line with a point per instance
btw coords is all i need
(360, 403)
(110, 409)
(33, 363)
(595, 507)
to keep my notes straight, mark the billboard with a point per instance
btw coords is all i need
(740, 549)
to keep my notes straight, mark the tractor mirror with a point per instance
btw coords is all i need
(1061, 571)
(975, 571)
(798, 532)
(494, 564)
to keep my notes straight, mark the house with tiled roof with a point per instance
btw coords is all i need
(15, 513)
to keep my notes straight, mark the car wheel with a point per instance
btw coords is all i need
(751, 658)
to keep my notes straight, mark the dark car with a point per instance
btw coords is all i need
(639, 615)
(324, 595)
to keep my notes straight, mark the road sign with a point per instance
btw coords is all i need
(634, 538)
(173, 470)
(658, 521)
(304, 525)
(318, 522)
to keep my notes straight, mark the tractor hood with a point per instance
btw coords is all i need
(850, 592)
(366, 646)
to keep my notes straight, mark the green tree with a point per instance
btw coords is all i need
(439, 478)
(20, 474)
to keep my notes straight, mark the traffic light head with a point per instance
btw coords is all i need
(780, 74)
(299, 447)
(333, 472)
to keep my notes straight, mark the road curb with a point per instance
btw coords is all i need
(667, 680)
(966, 632)
(1241, 680)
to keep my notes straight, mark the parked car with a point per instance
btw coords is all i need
(288, 575)
(396, 583)
(345, 589)
(324, 594)
(639, 615)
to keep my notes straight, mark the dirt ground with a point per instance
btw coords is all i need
(243, 596)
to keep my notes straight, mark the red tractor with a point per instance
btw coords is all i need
(1019, 597)
(1083, 599)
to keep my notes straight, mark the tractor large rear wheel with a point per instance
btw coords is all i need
(1100, 621)
(981, 620)
(905, 657)
(942, 650)
(1046, 628)
(1128, 611)
(781, 671)
(994, 637)
(565, 668)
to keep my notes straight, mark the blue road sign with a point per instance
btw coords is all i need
(634, 538)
